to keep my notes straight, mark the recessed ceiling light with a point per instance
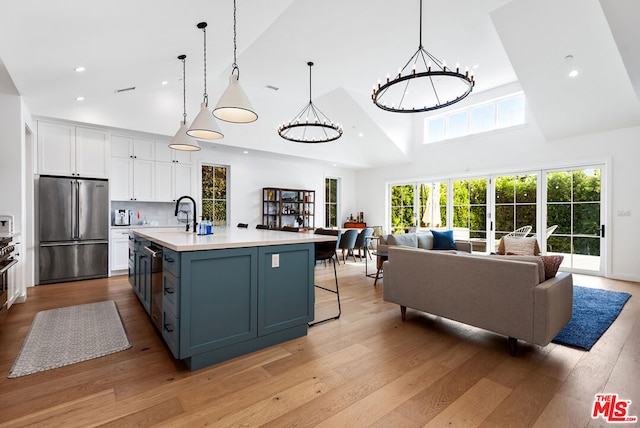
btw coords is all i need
(360, 134)
(245, 152)
(475, 66)
(573, 73)
(164, 82)
(79, 69)
(335, 164)
(79, 98)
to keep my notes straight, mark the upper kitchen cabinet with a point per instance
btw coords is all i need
(132, 148)
(68, 150)
(132, 169)
(166, 154)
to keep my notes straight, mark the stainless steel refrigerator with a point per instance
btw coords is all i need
(74, 229)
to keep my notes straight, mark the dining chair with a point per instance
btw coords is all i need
(347, 243)
(363, 241)
(262, 226)
(243, 225)
(290, 229)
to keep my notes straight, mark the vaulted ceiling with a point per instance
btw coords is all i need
(127, 44)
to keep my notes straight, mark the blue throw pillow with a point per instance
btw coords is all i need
(443, 240)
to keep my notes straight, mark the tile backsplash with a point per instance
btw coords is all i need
(151, 213)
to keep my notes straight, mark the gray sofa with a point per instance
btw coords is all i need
(504, 294)
(422, 240)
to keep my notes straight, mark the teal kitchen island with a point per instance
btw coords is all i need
(230, 293)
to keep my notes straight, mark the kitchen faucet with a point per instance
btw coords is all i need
(195, 229)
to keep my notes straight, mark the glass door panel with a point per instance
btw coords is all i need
(433, 205)
(402, 208)
(470, 212)
(574, 205)
(515, 199)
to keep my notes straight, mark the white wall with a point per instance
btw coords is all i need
(524, 149)
(250, 173)
(13, 120)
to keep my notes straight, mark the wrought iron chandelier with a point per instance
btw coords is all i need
(425, 83)
(182, 141)
(311, 125)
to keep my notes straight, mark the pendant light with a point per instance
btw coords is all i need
(310, 125)
(182, 141)
(234, 106)
(204, 126)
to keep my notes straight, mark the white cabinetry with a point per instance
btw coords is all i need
(119, 250)
(67, 150)
(173, 173)
(132, 169)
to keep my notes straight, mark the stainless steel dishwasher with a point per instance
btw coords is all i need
(155, 253)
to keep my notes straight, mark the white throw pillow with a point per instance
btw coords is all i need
(519, 246)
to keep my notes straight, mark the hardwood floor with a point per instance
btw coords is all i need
(366, 369)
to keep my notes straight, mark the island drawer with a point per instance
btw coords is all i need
(171, 261)
(171, 331)
(171, 292)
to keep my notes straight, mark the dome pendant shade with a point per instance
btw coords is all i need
(234, 106)
(204, 126)
(182, 141)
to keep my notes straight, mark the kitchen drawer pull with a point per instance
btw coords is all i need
(168, 327)
(170, 290)
(168, 259)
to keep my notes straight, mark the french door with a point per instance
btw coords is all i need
(575, 205)
(563, 207)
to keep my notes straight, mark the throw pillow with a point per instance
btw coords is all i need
(519, 246)
(551, 265)
(443, 240)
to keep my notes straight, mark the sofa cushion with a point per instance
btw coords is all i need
(519, 246)
(443, 240)
(425, 241)
(551, 265)
(531, 259)
(406, 239)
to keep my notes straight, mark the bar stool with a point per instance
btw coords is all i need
(325, 251)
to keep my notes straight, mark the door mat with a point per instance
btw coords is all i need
(64, 336)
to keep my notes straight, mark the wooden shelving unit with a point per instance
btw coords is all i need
(288, 207)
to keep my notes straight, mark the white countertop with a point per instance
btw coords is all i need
(228, 237)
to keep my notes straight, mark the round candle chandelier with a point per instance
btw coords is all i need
(425, 83)
(311, 125)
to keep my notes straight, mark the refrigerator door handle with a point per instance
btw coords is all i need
(74, 202)
(77, 198)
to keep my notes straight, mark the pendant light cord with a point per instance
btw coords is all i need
(420, 46)
(184, 91)
(310, 64)
(204, 31)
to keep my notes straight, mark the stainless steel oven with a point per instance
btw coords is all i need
(7, 261)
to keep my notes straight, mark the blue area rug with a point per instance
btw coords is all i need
(594, 310)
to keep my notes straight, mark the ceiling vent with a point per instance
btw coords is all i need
(118, 91)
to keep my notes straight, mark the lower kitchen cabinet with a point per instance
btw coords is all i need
(219, 304)
(140, 271)
(119, 250)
